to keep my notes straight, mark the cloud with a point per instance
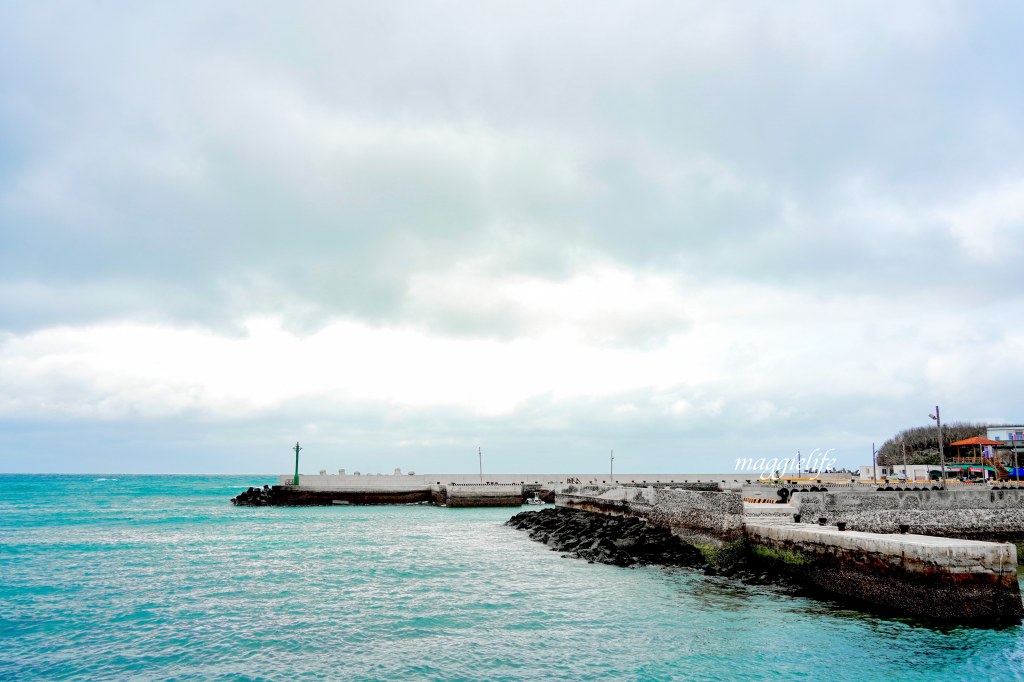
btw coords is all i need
(537, 222)
(736, 343)
(989, 223)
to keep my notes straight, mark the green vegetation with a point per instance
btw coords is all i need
(780, 555)
(725, 556)
(923, 442)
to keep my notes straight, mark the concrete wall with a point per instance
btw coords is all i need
(290, 496)
(350, 479)
(695, 514)
(944, 578)
(718, 513)
(499, 495)
(601, 499)
(957, 513)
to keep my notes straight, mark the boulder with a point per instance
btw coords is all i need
(620, 541)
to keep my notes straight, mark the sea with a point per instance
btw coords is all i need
(118, 577)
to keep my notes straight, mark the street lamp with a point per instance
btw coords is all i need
(942, 455)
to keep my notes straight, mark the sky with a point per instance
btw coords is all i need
(399, 232)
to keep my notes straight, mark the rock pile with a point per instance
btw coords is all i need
(254, 497)
(616, 540)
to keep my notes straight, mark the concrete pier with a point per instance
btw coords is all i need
(924, 575)
(475, 495)
(452, 495)
(293, 496)
(938, 577)
(460, 490)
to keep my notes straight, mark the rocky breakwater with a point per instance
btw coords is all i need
(255, 497)
(620, 541)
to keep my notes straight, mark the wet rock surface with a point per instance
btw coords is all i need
(254, 497)
(620, 541)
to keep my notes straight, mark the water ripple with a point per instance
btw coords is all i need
(158, 577)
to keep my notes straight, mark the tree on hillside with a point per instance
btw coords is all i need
(923, 442)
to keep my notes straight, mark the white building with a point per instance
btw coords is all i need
(1006, 432)
(912, 472)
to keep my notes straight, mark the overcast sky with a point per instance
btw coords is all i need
(396, 232)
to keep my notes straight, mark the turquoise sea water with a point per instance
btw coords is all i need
(160, 578)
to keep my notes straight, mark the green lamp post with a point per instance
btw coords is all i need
(297, 448)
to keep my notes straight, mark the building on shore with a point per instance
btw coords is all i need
(1006, 432)
(911, 472)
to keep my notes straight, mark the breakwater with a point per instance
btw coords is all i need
(886, 548)
(452, 490)
(292, 496)
(457, 490)
(455, 495)
(938, 577)
(351, 479)
(698, 514)
(606, 539)
(945, 578)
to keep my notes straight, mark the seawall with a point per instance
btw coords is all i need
(977, 514)
(456, 495)
(475, 495)
(939, 577)
(700, 516)
(944, 578)
(290, 496)
(344, 479)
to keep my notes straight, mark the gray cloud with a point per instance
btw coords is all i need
(419, 166)
(337, 150)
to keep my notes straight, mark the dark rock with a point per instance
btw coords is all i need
(254, 497)
(619, 541)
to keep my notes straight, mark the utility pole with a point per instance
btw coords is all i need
(942, 455)
(905, 474)
(1016, 471)
(297, 448)
(874, 465)
(480, 455)
(611, 468)
(799, 466)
